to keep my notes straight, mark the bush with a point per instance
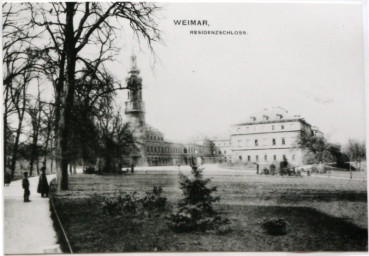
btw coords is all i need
(266, 171)
(283, 166)
(132, 204)
(195, 211)
(121, 204)
(7, 178)
(272, 169)
(154, 200)
(274, 226)
(89, 170)
(314, 169)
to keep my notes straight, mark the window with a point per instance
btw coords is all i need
(284, 157)
(249, 158)
(265, 158)
(272, 127)
(282, 127)
(257, 158)
(275, 158)
(240, 157)
(273, 142)
(225, 152)
(283, 141)
(256, 143)
(220, 152)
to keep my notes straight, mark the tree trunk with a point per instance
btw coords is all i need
(5, 117)
(65, 113)
(47, 140)
(58, 102)
(33, 153)
(19, 130)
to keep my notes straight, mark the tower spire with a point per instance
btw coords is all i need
(134, 68)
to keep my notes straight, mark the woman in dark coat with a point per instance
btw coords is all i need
(43, 185)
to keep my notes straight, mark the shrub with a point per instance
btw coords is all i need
(121, 204)
(314, 169)
(283, 166)
(89, 170)
(298, 173)
(132, 204)
(7, 178)
(274, 226)
(272, 169)
(266, 171)
(195, 211)
(154, 200)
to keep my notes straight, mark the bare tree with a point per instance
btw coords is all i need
(18, 61)
(47, 131)
(35, 111)
(116, 139)
(356, 151)
(19, 100)
(93, 26)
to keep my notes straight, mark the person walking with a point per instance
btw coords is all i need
(25, 185)
(43, 185)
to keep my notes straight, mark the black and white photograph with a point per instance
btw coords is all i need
(133, 127)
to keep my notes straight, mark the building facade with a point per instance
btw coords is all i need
(269, 136)
(222, 149)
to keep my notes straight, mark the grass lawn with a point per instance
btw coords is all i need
(323, 214)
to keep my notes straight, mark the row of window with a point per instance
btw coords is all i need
(220, 152)
(158, 149)
(265, 158)
(256, 142)
(222, 144)
(153, 137)
(254, 128)
(152, 149)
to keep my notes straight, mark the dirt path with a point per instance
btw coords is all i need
(28, 227)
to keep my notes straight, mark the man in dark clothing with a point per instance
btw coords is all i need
(25, 185)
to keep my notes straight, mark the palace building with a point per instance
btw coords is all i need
(268, 136)
(152, 148)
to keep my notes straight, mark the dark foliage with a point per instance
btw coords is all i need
(195, 211)
(134, 205)
(272, 169)
(89, 170)
(274, 226)
(283, 166)
(154, 200)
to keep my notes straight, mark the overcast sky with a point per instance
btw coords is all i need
(305, 57)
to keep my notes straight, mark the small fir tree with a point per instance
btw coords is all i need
(195, 211)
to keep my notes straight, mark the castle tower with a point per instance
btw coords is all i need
(135, 112)
(135, 108)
